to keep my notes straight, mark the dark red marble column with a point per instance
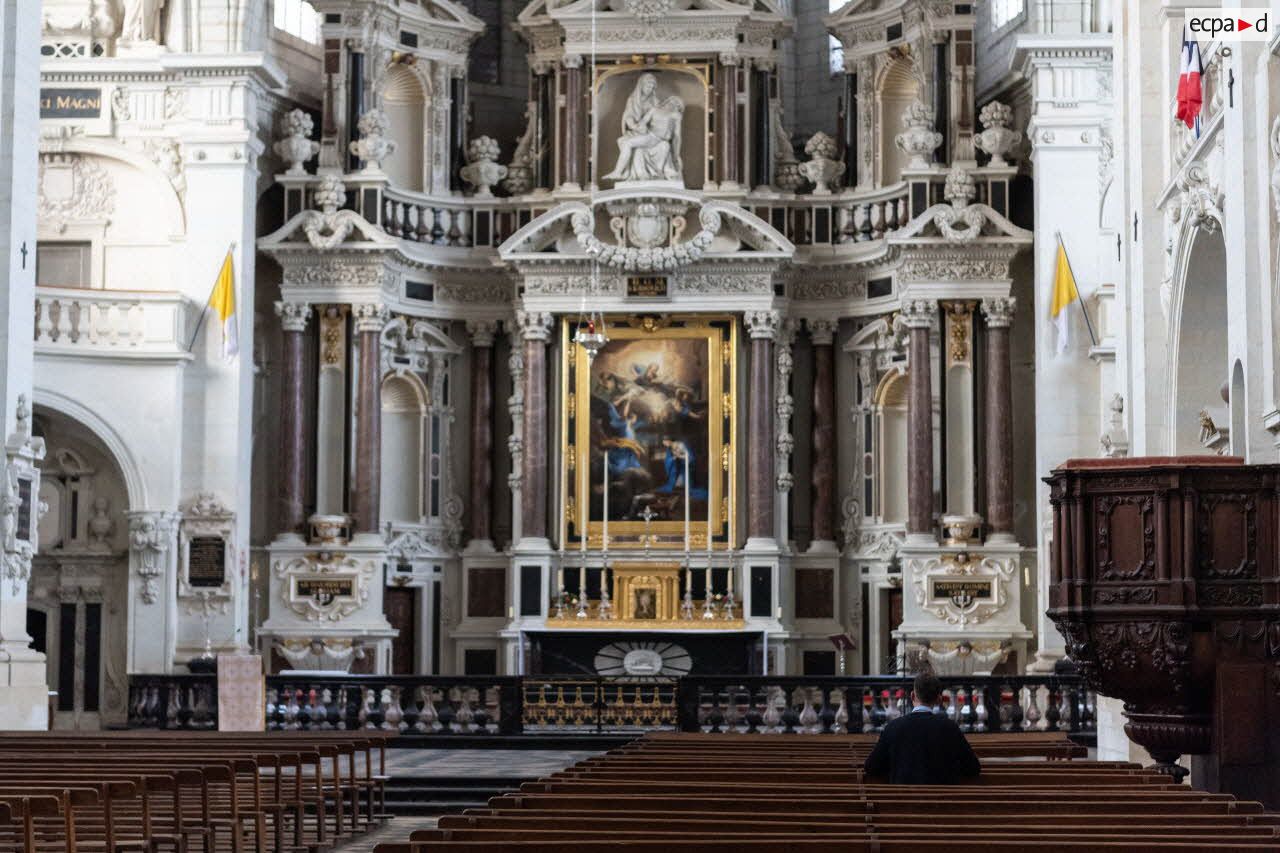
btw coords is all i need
(367, 478)
(535, 330)
(482, 333)
(294, 423)
(919, 315)
(727, 126)
(763, 328)
(572, 119)
(999, 419)
(822, 460)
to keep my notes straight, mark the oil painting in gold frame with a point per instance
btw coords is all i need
(659, 392)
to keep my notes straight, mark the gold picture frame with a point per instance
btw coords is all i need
(661, 387)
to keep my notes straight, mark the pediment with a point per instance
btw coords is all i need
(637, 229)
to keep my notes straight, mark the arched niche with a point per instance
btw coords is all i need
(404, 100)
(897, 89)
(615, 86)
(1200, 340)
(891, 428)
(404, 406)
(83, 485)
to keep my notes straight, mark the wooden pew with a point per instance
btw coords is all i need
(768, 792)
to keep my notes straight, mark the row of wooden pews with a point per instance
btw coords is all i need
(216, 792)
(749, 793)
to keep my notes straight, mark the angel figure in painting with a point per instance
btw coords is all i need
(649, 148)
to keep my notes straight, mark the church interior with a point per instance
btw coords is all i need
(514, 421)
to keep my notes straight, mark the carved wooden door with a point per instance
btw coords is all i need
(401, 606)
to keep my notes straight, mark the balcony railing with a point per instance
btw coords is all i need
(512, 705)
(124, 323)
(847, 216)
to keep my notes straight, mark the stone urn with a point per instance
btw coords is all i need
(296, 147)
(482, 170)
(329, 529)
(787, 176)
(823, 169)
(374, 145)
(997, 139)
(961, 529)
(919, 139)
(519, 179)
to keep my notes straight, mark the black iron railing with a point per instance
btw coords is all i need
(513, 705)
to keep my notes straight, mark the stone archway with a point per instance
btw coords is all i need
(78, 595)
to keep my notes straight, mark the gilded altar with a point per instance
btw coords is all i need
(649, 596)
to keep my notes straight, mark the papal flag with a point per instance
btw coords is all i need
(1064, 293)
(223, 302)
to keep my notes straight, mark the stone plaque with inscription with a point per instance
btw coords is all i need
(646, 287)
(963, 592)
(324, 590)
(70, 103)
(207, 561)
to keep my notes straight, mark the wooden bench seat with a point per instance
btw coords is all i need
(765, 792)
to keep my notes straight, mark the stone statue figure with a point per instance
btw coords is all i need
(963, 660)
(649, 148)
(141, 20)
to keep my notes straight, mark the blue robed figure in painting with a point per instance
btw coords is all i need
(676, 454)
(624, 447)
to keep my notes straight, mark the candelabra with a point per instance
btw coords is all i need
(686, 605)
(726, 611)
(606, 604)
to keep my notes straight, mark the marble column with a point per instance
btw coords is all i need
(822, 458)
(727, 125)
(367, 477)
(763, 328)
(291, 517)
(919, 316)
(999, 419)
(535, 331)
(572, 140)
(481, 519)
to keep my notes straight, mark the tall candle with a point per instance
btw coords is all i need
(605, 537)
(584, 513)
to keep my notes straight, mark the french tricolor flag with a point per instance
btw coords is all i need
(1190, 93)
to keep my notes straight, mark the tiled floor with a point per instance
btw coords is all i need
(530, 763)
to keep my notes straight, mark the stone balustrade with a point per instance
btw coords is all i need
(424, 705)
(120, 323)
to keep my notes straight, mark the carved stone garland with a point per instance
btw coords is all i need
(648, 217)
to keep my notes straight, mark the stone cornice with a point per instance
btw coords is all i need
(165, 68)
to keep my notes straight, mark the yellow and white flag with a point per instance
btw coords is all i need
(223, 303)
(1064, 293)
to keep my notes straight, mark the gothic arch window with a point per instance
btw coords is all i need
(404, 100)
(403, 445)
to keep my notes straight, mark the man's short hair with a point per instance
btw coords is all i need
(927, 688)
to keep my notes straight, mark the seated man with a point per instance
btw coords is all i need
(923, 748)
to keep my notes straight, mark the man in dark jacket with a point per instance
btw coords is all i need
(923, 748)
